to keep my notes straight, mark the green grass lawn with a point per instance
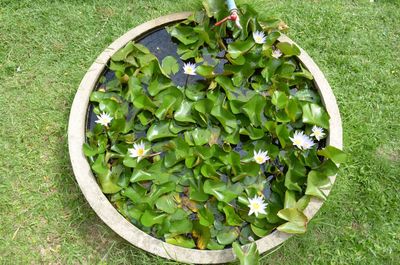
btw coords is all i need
(44, 218)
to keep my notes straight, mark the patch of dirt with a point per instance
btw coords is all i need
(98, 235)
(50, 250)
(105, 12)
(386, 152)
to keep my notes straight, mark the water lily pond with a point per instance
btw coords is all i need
(203, 136)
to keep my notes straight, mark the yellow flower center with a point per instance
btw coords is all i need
(140, 152)
(259, 159)
(297, 142)
(255, 206)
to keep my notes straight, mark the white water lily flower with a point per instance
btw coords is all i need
(138, 151)
(308, 143)
(257, 205)
(317, 132)
(259, 37)
(104, 119)
(260, 157)
(299, 138)
(276, 53)
(189, 68)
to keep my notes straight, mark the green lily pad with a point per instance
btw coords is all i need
(123, 53)
(297, 221)
(206, 217)
(150, 218)
(165, 107)
(144, 102)
(337, 155)
(221, 191)
(135, 193)
(316, 183)
(213, 245)
(200, 136)
(254, 109)
(170, 65)
(228, 235)
(279, 99)
(288, 49)
(231, 217)
(205, 70)
(181, 226)
(159, 84)
(225, 117)
(181, 241)
(316, 115)
(184, 112)
(159, 130)
(260, 232)
(250, 256)
(239, 47)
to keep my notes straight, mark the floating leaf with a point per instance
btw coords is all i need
(316, 183)
(228, 235)
(290, 199)
(279, 99)
(337, 155)
(195, 91)
(140, 175)
(197, 194)
(283, 134)
(181, 241)
(225, 117)
(89, 150)
(145, 117)
(144, 102)
(181, 226)
(201, 136)
(159, 130)
(183, 113)
(260, 232)
(213, 245)
(221, 191)
(202, 234)
(170, 65)
(123, 53)
(158, 190)
(135, 193)
(206, 217)
(297, 221)
(272, 38)
(288, 49)
(150, 218)
(165, 107)
(293, 110)
(205, 70)
(316, 115)
(250, 256)
(253, 133)
(159, 84)
(231, 217)
(254, 109)
(184, 34)
(240, 47)
(308, 95)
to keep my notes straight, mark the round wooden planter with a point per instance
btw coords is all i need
(104, 209)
